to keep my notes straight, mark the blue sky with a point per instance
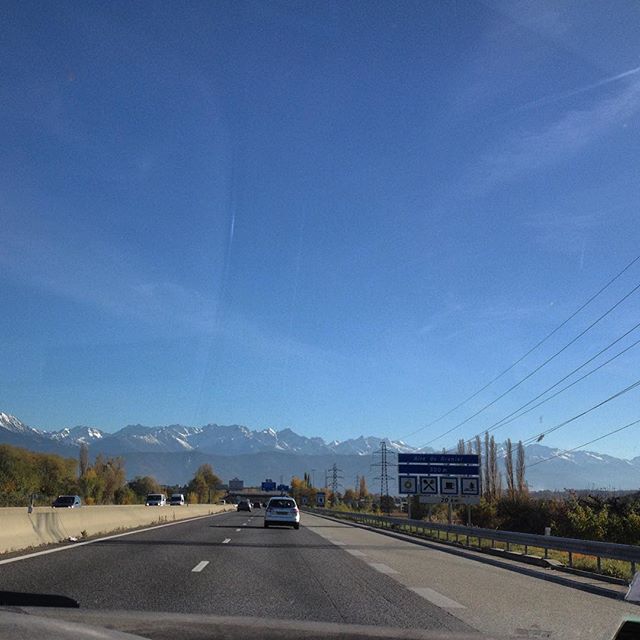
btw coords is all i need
(342, 218)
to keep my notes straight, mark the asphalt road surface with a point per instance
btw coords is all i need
(229, 564)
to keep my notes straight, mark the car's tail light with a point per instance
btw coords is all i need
(295, 511)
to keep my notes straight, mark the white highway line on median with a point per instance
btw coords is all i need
(356, 552)
(117, 535)
(382, 568)
(226, 541)
(200, 566)
(437, 598)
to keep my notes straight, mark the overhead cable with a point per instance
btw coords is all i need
(530, 351)
(540, 366)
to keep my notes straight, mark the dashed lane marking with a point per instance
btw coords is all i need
(226, 541)
(382, 568)
(437, 598)
(200, 566)
(77, 545)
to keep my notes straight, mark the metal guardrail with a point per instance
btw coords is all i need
(599, 550)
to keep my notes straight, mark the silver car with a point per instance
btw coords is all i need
(282, 510)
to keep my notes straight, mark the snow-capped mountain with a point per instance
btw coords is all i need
(211, 438)
(364, 446)
(77, 435)
(168, 451)
(12, 424)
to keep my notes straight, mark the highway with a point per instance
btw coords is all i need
(230, 565)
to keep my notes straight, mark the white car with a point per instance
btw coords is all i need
(176, 500)
(156, 500)
(283, 510)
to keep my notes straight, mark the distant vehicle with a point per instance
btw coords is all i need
(156, 500)
(66, 502)
(244, 505)
(282, 511)
(176, 500)
(257, 505)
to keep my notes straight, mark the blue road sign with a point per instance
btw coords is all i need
(283, 487)
(407, 484)
(439, 469)
(439, 458)
(470, 486)
(449, 486)
(428, 485)
(268, 485)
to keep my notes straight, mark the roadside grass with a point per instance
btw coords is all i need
(611, 568)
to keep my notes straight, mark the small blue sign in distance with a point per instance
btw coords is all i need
(440, 458)
(436, 470)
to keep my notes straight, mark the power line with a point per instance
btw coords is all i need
(512, 416)
(539, 436)
(540, 366)
(521, 358)
(384, 472)
(336, 476)
(584, 444)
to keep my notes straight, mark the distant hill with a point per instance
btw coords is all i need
(172, 453)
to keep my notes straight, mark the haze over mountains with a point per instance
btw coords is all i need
(172, 453)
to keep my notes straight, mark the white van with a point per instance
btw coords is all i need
(156, 500)
(176, 500)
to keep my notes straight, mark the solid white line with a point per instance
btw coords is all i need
(200, 566)
(226, 541)
(437, 598)
(382, 568)
(116, 535)
(356, 552)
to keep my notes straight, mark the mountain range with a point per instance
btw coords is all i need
(172, 454)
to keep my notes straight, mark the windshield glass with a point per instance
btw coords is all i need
(281, 504)
(373, 262)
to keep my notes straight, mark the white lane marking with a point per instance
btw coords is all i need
(200, 566)
(116, 535)
(244, 524)
(238, 529)
(338, 542)
(226, 541)
(437, 598)
(356, 552)
(382, 568)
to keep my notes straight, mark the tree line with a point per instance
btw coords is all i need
(27, 475)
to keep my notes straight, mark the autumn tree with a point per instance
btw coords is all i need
(363, 492)
(488, 487)
(521, 483)
(142, 486)
(204, 483)
(83, 458)
(508, 465)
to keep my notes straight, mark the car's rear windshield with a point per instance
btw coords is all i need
(69, 499)
(154, 496)
(282, 504)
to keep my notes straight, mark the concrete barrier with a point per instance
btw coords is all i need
(45, 525)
